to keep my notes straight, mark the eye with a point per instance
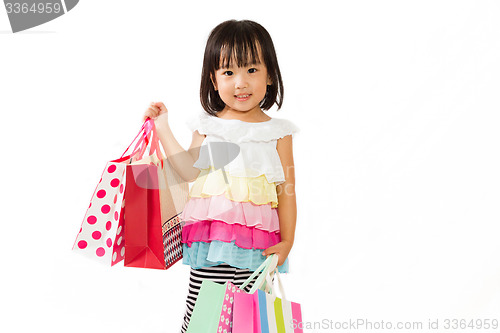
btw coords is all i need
(228, 73)
(252, 70)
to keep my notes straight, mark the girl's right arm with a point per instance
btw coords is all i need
(181, 160)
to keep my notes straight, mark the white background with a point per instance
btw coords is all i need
(397, 163)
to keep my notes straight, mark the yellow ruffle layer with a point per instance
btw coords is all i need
(242, 189)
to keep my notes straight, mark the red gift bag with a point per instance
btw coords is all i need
(155, 196)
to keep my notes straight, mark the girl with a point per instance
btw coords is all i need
(232, 220)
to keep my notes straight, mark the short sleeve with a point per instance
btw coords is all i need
(193, 122)
(286, 127)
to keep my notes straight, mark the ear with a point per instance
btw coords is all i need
(269, 81)
(213, 82)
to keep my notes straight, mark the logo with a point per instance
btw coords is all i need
(26, 14)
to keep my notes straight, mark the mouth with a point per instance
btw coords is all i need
(242, 97)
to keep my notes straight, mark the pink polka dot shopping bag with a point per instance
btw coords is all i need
(134, 210)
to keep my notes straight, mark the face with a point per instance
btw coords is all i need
(242, 88)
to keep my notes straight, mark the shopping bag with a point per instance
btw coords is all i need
(213, 310)
(246, 318)
(226, 314)
(260, 310)
(101, 233)
(155, 196)
(273, 314)
(174, 193)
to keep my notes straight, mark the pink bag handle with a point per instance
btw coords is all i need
(146, 130)
(153, 148)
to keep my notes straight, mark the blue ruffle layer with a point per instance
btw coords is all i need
(202, 254)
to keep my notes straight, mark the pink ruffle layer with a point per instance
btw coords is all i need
(218, 207)
(244, 237)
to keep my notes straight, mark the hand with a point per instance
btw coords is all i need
(282, 249)
(158, 112)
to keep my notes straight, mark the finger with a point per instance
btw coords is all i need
(152, 113)
(270, 250)
(163, 110)
(155, 109)
(152, 106)
(157, 105)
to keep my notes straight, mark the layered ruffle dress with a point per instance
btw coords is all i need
(231, 215)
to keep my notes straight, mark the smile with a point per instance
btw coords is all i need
(243, 97)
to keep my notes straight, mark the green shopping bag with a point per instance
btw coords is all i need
(213, 310)
(207, 309)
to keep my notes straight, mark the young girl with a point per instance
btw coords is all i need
(232, 220)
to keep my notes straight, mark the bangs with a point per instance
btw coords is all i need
(238, 50)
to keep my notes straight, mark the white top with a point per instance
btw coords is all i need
(252, 151)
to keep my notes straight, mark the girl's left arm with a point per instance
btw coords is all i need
(287, 205)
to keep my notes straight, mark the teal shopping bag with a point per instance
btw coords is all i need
(210, 312)
(207, 309)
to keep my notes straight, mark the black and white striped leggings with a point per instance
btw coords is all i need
(220, 274)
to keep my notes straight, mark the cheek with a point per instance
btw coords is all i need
(263, 86)
(224, 86)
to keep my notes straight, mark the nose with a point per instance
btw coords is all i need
(241, 82)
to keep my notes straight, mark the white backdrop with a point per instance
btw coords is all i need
(397, 163)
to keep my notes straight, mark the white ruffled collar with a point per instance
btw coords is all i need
(235, 130)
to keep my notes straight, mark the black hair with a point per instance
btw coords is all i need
(239, 39)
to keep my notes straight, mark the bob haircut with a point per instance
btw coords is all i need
(242, 40)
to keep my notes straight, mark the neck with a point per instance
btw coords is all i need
(255, 114)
